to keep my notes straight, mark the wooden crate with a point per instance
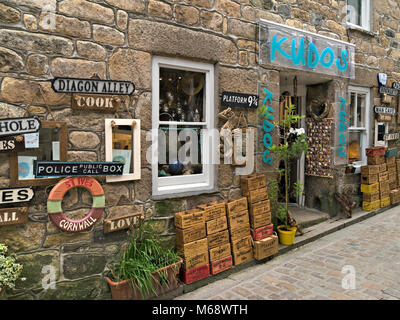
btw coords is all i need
(390, 153)
(395, 196)
(221, 265)
(259, 207)
(253, 182)
(384, 194)
(391, 160)
(216, 225)
(189, 218)
(243, 255)
(369, 206)
(371, 197)
(258, 195)
(217, 239)
(371, 169)
(238, 220)
(195, 274)
(393, 185)
(384, 186)
(236, 204)
(241, 243)
(375, 151)
(369, 178)
(260, 220)
(192, 248)
(266, 247)
(191, 234)
(220, 252)
(197, 260)
(369, 188)
(383, 176)
(383, 167)
(262, 233)
(376, 160)
(392, 178)
(385, 202)
(398, 164)
(391, 168)
(213, 210)
(240, 232)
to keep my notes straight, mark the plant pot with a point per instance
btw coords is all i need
(286, 237)
(123, 290)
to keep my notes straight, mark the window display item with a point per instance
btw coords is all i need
(25, 167)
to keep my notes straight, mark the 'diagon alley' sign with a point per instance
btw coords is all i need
(13, 195)
(92, 86)
(45, 169)
(18, 126)
(235, 99)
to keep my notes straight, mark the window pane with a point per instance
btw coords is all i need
(361, 110)
(354, 146)
(181, 95)
(352, 109)
(122, 147)
(179, 150)
(354, 11)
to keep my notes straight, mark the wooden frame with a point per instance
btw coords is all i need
(136, 148)
(62, 138)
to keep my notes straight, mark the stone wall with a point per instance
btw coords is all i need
(116, 39)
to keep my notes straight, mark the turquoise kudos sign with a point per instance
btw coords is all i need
(297, 49)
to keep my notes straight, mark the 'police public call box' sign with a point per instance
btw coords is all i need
(92, 86)
(235, 99)
(45, 169)
(288, 47)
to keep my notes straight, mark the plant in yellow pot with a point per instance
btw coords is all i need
(291, 146)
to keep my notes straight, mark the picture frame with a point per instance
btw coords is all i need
(118, 143)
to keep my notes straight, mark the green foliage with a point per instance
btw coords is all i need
(143, 256)
(10, 270)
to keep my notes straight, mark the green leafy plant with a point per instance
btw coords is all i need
(143, 256)
(291, 148)
(10, 270)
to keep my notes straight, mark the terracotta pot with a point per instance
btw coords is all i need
(123, 290)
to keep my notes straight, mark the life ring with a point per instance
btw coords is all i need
(57, 194)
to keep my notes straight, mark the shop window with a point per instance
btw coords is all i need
(359, 125)
(183, 116)
(358, 13)
(49, 145)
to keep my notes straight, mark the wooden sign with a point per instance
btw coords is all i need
(383, 117)
(389, 91)
(102, 103)
(92, 86)
(11, 216)
(123, 222)
(391, 136)
(235, 99)
(77, 169)
(18, 126)
(384, 109)
(13, 195)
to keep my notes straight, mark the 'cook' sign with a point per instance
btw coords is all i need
(94, 86)
(17, 126)
(12, 195)
(103, 103)
(234, 99)
(77, 169)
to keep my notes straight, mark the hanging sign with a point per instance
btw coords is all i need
(391, 136)
(92, 86)
(288, 47)
(12, 195)
(235, 99)
(385, 110)
(54, 208)
(103, 103)
(78, 169)
(17, 126)
(124, 222)
(11, 216)
(388, 90)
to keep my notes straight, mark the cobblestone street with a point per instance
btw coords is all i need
(314, 271)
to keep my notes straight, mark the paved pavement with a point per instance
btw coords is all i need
(319, 269)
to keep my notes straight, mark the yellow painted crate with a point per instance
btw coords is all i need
(369, 206)
(385, 202)
(369, 188)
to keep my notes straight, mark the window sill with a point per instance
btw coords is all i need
(353, 27)
(182, 194)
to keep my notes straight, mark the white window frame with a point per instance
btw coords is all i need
(185, 184)
(365, 16)
(381, 143)
(366, 129)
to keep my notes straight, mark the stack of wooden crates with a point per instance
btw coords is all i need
(395, 193)
(254, 187)
(192, 244)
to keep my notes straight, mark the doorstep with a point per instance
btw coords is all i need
(310, 234)
(307, 217)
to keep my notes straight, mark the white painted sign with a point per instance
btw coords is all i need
(13, 195)
(70, 85)
(391, 136)
(17, 126)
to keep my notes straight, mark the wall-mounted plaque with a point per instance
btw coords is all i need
(123, 222)
(381, 117)
(11, 216)
(391, 136)
(389, 91)
(235, 99)
(396, 85)
(77, 169)
(102, 103)
(384, 109)
(92, 86)
(13, 195)
(7, 144)
(17, 126)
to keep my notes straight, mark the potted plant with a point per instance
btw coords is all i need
(145, 269)
(293, 143)
(10, 270)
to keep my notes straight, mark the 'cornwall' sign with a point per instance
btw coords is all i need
(93, 86)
